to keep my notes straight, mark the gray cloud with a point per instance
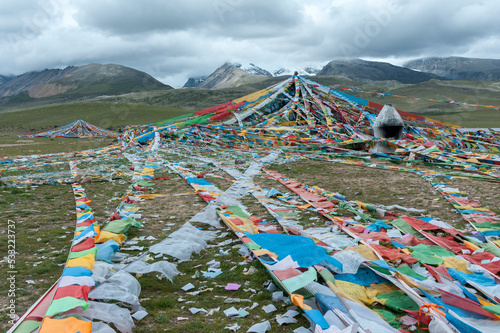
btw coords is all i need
(231, 18)
(173, 40)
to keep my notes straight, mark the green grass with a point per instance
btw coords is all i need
(47, 145)
(472, 92)
(44, 222)
(105, 115)
(161, 298)
(471, 117)
(477, 92)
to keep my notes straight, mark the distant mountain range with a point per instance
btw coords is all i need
(96, 80)
(76, 82)
(415, 71)
(458, 68)
(232, 75)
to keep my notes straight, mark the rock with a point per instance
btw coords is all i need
(87, 180)
(388, 124)
(77, 178)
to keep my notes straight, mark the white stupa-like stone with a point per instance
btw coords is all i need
(388, 124)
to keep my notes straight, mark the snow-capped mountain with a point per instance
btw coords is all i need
(256, 70)
(253, 69)
(303, 71)
(228, 73)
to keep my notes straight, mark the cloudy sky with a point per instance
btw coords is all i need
(174, 40)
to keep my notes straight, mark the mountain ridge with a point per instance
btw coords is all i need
(5, 78)
(251, 69)
(230, 75)
(358, 69)
(458, 68)
(78, 81)
(96, 81)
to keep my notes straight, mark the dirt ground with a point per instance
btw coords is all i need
(374, 186)
(487, 193)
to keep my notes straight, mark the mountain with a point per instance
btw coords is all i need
(305, 71)
(254, 69)
(358, 69)
(231, 75)
(228, 75)
(458, 68)
(5, 78)
(75, 82)
(194, 82)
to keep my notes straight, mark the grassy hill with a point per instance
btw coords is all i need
(471, 92)
(359, 69)
(192, 98)
(458, 68)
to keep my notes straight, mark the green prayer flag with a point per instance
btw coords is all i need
(78, 254)
(121, 226)
(28, 326)
(64, 304)
(253, 246)
(398, 301)
(236, 210)
(493, 309)
(300, 281)
(406, 227)
(407, 270)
